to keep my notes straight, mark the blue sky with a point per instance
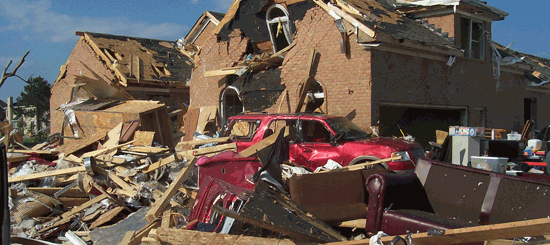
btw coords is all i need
(47, 28)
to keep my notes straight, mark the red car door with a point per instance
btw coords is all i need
(313, 150)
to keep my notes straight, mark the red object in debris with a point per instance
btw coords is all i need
(35, 156)
(229, 167)
(216, 192)
(319, 138)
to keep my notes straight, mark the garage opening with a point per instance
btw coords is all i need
(421, 123)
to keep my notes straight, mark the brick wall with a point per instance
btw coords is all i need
(341, 84)
(205, 34)
(61, 90)
(445, 22)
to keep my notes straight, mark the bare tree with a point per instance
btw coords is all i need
(12, 74)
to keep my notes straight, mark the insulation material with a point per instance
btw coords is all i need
(70, 118)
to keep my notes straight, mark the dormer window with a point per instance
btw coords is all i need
(471, 38)
(279, 27)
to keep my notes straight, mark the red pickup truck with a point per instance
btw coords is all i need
(318, 138)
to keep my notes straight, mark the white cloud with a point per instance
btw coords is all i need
(38, 17)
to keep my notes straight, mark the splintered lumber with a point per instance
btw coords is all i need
(215, 149)
(262, 144)
(104, 150)
(238, 70)
(113, 136)
(159, 205)
(279, 213)
(170, 159)
(166, 217)
(120, 182)
(86, 205)
(207, 114)
(191, 121)
(204, 142)
(535, 227)
(50, 191)
(363, 165)
(144, 149)
(181, 236)
(106, 217)
(64, 171)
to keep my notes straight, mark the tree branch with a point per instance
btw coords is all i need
(11, 74)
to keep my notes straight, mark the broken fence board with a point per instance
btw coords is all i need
(535, 227)
(64, 171)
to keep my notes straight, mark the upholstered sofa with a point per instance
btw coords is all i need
(440, 196)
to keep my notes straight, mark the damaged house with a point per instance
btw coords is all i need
(422, 65)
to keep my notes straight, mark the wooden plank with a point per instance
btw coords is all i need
(181, 236)
(64, 171)
(143, 232)
(170, 159)
(144, 138)
(346, 17)
(203, 142)
(113, 136)
(306, 83)
(159, 205)
(72, 201)
(535, 227)
(214, 149)
(120, 182)
(106, 217)
(358, 223)
(191, 121)
(73, 192)
(207, 114)
(262, 144)
(145, 149)
(86, 205)
(105, 150)
(34, 151)
(19, 158)
(127, 237)
(226, 71)
(264, 224)
(363, 165)
(166, 218)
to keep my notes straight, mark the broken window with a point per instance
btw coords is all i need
(314, 131)
(243, 130)
(471, 38)
(279, 27)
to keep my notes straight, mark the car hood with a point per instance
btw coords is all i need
(389, 142)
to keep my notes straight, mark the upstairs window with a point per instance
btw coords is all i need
(471, 38)
(279, 27)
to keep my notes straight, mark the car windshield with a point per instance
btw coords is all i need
(351, 131)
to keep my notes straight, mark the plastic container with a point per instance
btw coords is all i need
(535, 144)
(495, 164)
(514, 136)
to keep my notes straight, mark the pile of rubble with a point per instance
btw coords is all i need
(123, 187)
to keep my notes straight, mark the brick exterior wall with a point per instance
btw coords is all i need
(82, 56)
(204, 34)
(358, 85)
(317, 30)
(61, 90)
(445, 22)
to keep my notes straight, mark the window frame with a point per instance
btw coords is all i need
(284, 20)
(469, 39)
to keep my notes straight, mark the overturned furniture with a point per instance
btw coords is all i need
(444, 196)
